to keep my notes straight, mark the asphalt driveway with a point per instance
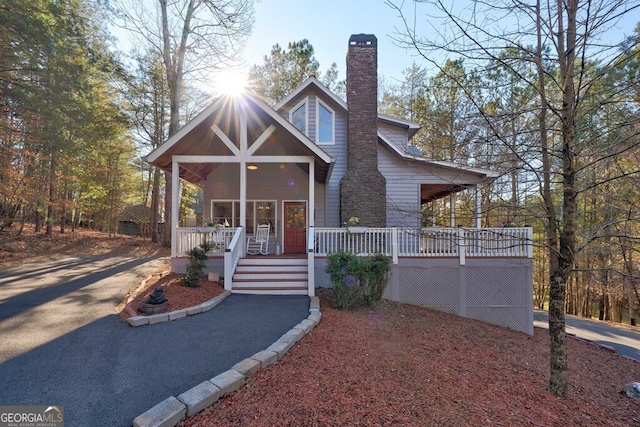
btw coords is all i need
(61, 342)
(626, 341)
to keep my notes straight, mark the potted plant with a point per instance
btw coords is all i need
(352, 225)
(427, 218)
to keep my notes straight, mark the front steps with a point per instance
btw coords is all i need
(271, 275)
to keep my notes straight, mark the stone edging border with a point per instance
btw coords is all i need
(172, 410)
(177, 314)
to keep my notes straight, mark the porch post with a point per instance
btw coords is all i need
(243, 172)
(175, 202)
(312, 192)
(452, 210)
(478, 208)
(311, 272)
(394, 246)
(311, 261)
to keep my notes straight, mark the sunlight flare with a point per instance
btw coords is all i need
(231, 82)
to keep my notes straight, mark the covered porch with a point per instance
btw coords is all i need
(253, 167)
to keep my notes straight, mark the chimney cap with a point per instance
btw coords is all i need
(363, 40)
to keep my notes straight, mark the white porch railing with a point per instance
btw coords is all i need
(399, 242)
(188, 238)
(427, 242)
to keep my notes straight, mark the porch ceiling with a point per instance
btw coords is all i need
(198, 138)
(431, 192)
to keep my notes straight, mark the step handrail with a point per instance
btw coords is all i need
(232, 255)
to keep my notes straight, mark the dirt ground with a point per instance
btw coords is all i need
(17, 247)
(394, 365)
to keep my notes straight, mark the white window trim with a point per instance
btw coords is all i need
(304, 102)
(233, 211)
(333, 123)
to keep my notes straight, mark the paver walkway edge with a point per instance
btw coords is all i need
(172, 410)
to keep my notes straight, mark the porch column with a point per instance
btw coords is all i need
(175, 202)
(312, 193)
(478, 208)
(452, 210)
(243, 170)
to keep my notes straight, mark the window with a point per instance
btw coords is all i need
(221, 213)
(325, 124)
(299, 117)
(227, 212)
(266, 214)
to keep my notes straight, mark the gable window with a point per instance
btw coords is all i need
(298, 117)
(325, 128)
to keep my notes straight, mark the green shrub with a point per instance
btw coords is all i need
(197, 263)
(357, 281)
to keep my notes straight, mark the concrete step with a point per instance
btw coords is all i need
(269, 276)
(262, 260)
(271, 268)
(269, 284)
(272, 291)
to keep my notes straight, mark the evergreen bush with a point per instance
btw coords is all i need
(197, 263)
(357, 281)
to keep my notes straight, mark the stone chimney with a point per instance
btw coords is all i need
(363, 187)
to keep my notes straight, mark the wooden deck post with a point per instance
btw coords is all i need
(462, 247)
(394, 245)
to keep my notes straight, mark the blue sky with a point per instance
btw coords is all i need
(327, 24)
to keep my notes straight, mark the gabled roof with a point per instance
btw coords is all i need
(312, 81)
(447, 165)
(411, 127)
(196, 136)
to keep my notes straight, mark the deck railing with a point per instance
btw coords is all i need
(394, 242)
(426, 242)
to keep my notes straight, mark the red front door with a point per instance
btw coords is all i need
(295, 227)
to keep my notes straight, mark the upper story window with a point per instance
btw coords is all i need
(325, 126)
(298, 116)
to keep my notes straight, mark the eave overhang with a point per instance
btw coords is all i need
(430, 192)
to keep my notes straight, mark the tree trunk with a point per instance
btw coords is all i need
(63, 213)
(38, 220)
(52, 194)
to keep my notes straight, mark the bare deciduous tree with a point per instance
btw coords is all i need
(194, 38)
(568, 44)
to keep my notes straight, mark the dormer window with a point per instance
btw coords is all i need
(298, 117)
(325, 128)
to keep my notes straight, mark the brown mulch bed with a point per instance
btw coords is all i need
(179, 296)
(401, 365)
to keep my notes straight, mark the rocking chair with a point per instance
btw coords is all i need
(259, 244)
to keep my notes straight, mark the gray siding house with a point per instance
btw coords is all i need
(307, 165)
